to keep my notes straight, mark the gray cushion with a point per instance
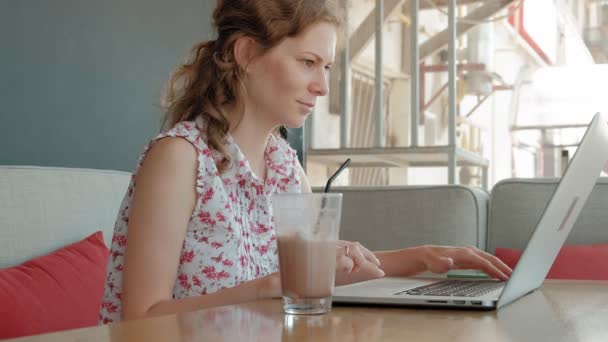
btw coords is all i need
(517, 204)
(396, 217)
(45, 208)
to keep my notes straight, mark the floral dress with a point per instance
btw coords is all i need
(230, 237)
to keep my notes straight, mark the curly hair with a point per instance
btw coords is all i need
(211, 79)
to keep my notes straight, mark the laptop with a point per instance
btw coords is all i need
(541, 250)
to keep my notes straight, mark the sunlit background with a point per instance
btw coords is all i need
(530, 76)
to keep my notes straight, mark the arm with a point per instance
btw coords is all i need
(411, 261)
(361, 264)
(402, 263)
(163, 202)
(440, 259)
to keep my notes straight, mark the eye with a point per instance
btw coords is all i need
(308, 62)
(328, 68)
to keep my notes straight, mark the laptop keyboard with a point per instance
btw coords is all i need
(456, 288)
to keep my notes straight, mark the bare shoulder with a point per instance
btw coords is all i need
(170, 162)
(174, 149)
(165, 185)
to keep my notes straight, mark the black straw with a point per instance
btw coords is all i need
(327, 188)
(336, 174)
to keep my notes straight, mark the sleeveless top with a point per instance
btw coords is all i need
(230, 237)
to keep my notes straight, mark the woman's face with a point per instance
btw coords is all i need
(284, 83)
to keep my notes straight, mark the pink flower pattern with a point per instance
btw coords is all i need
(230, 238)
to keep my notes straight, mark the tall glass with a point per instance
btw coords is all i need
(307, 227)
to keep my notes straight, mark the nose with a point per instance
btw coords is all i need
(320, 84)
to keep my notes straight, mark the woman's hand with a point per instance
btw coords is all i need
(440, 259)
(355, 263)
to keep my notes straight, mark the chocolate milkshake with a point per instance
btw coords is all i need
(307, 227)
(307, 266)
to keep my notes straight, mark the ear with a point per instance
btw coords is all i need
(245, 49)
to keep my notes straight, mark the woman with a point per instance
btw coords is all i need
(197, 214)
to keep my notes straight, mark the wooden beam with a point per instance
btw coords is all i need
(483, 12)
(357, 42)
(366, 31)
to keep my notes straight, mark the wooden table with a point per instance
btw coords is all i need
(560, 311)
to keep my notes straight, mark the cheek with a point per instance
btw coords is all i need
(286, 77)
(276, 87)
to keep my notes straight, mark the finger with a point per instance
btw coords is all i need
(355, 253)
(369, 255)
(469, 259)
(494, 260)
(344, 264)
(370, 270)
(437, 263)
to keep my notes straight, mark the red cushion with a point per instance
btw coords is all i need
(61, 290)
(583, 262)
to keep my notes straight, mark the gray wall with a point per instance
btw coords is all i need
(80, 79)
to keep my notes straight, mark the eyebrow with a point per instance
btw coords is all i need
(317, 57)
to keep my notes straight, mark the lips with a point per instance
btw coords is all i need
(310, 105)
